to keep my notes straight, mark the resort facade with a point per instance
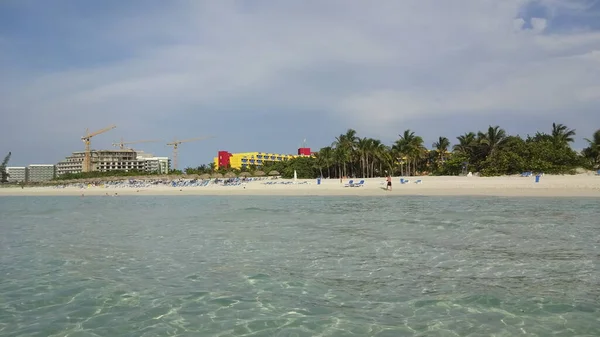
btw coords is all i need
(242, 160)
(34, 173)
(115, 160)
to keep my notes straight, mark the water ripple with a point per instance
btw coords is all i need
(301, 266)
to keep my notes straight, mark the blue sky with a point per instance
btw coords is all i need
(264, 75)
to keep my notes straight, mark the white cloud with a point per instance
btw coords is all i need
(539, 24)
(368, 64)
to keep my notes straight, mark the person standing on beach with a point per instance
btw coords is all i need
(389, 183)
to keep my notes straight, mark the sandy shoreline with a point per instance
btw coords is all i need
(549, 186)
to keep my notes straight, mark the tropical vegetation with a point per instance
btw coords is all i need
(489, 152)
(3, 174)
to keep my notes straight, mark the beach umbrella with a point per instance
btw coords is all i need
(245, 174)
(259, 173)
(205, 176)
(217, 175)
(274, 173)
(230, 175)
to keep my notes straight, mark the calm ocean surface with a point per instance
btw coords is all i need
(299, 266)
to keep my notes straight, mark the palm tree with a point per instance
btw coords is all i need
(345, 145)
(319, 162)
(561, 135)
(327, 156)
(441, 147)
(410, 147)
(466, 144)
(364, 148)
(3, 174)
(401, 149)
(380, 153)
(592, 152)
(340, 156)
(492, 139)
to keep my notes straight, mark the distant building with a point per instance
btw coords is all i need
(257, 159)
(161, 165)
(115, 160)
(40, 173)
(16, 174)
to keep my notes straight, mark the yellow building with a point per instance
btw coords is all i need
(245, 159)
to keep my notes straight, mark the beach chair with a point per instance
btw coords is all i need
(418, 181)
(359, 184)
(598, 173)
(350, 183)
(404, 181)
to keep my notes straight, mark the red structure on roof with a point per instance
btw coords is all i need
(304, 151)
(224, 157)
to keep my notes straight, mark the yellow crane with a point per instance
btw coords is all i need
(122, 144)
(87, 159)
(175, 145)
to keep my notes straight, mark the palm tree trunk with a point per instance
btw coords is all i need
(363, 164)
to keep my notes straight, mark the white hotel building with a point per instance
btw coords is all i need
(115, 160)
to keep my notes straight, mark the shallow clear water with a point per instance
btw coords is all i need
(299, 266)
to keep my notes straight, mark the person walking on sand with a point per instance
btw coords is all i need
(389, 183)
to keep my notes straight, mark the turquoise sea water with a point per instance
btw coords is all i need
(299, 266)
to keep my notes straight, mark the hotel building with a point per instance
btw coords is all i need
(40, 173)
(16, 174)
(243, 160)
(115, 160)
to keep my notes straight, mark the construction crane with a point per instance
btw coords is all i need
(175, 145)
(87, 159)
(122, 144)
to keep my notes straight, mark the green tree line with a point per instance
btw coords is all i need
(490, 152)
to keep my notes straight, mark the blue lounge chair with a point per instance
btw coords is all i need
(350, 183)
(359, 184)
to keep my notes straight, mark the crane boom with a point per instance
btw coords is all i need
(189, 140)
(122, 143)
(87, 159)
(175, 145)
(90, 135)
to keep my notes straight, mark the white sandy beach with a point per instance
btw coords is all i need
(583, 185)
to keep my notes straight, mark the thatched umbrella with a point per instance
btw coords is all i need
(245, 174)
(259, 173)
(274, 173)
(217, 175)
(205, 176)
(230, 175)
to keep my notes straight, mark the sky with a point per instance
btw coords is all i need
(265, 75)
